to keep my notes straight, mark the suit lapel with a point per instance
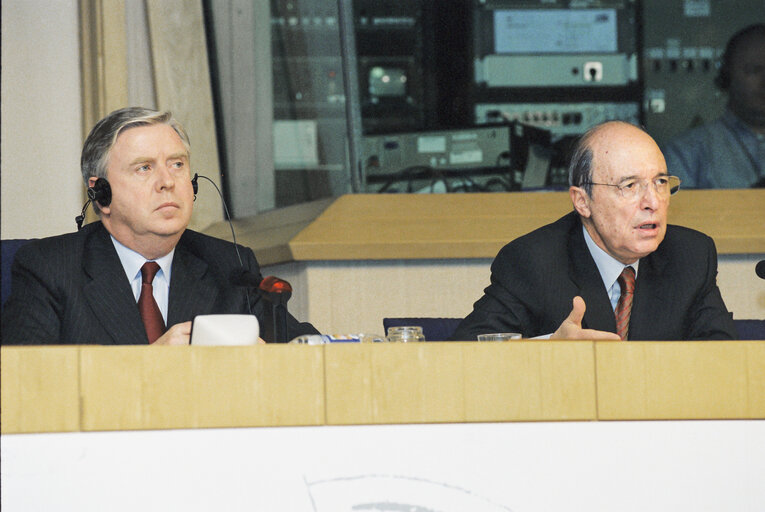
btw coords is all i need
(648, 306)
(585, 275)
(193, 290)
(108, 292)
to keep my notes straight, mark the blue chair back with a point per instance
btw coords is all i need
(750, 329)
(8, 250)
(433, 328)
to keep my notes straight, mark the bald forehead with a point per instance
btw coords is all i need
(613, 132)
(620, 145)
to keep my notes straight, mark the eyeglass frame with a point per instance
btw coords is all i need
(643, 185)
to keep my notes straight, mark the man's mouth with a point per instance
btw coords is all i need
(648, 226)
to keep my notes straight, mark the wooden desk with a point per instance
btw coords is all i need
(87, 388)
(457, 226)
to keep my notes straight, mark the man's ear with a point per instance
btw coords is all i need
(580, 200)
(91, 181)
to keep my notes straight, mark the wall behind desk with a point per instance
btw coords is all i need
(41, 126)
(354, 296)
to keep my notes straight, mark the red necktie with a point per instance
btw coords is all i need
(624, 306)
(147, 306)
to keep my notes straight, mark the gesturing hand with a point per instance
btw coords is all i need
(571, 328)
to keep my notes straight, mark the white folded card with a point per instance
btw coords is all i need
(213, 330)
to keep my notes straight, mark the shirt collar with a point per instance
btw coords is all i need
(132, 261)
(609, 267)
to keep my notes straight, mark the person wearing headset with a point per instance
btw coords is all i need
(88, 287)
(729, 152)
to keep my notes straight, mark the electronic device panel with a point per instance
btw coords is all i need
(500, 157)
(447, 150)
(551, 44)
(561, 119)
(555, 64)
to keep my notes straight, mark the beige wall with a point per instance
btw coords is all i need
(40, 128)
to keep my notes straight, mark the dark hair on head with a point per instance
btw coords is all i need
(580, 165)
(722, 80)
(103, 136)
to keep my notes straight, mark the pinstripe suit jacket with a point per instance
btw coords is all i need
(535, 277)
(72, 289)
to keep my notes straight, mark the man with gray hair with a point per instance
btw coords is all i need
(138, 275)
(612, 268)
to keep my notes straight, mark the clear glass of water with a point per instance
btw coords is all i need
(405, 334)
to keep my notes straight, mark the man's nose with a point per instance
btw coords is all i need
(650, 196)
(165, 178)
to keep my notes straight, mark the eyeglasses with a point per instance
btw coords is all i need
(634, 189)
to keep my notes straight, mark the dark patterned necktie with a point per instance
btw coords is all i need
(147, 306)
(624, 306)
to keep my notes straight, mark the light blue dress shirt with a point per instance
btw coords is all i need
(724, 153)
(609, 267)
(132, 263)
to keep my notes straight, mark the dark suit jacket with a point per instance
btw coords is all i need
(72, 289)
(535, 277)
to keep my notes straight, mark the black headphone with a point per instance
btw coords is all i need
(101, 193)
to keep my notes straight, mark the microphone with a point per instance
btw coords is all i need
(276, 292)
(760, 269)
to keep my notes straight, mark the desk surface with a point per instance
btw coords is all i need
(96, 388)
(425, 226)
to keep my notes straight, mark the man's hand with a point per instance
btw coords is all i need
(571, 328)
(179, 334)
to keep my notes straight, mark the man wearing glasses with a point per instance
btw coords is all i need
(613, 268)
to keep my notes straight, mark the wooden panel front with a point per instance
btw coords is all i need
(530, 380)
(436, 382)
(394, 383)
(39, 389)
(680, 380)
(133, 388)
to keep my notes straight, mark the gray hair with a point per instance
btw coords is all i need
(580, 165)
(103, 136)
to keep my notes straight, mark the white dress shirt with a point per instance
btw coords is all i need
(132, 263)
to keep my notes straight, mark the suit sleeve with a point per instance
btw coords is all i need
(708, 316)
(501, 309)
(31, 315)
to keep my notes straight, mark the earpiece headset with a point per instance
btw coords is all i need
(101, 193)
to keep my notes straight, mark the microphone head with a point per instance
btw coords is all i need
(272, 284)
(760, 269)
